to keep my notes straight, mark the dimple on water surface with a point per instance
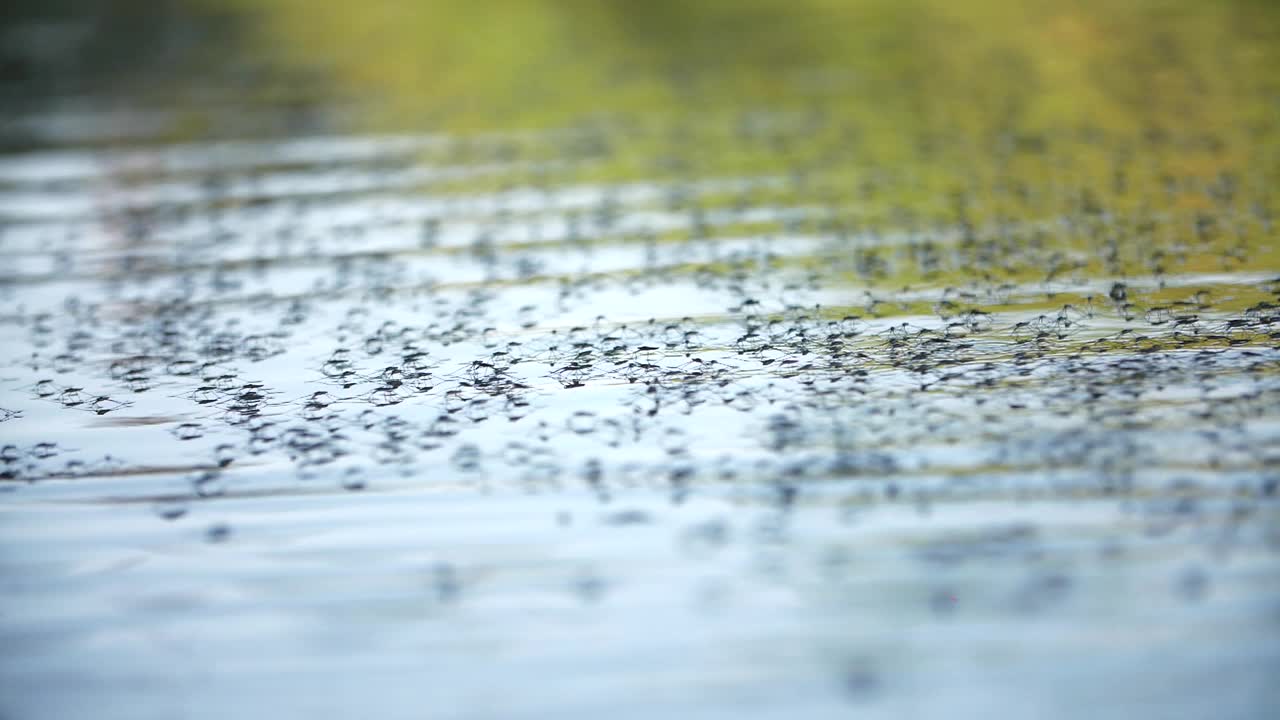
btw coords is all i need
(886, 380)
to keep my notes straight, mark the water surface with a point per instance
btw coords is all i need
(540, 359)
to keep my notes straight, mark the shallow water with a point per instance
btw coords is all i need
(792, 403)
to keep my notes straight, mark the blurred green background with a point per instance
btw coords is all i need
(973, 64)
(455, 64)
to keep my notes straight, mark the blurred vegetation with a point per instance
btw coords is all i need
(1031, 65)
(917, 112)
(51, 48)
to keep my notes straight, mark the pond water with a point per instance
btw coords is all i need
(553, 359)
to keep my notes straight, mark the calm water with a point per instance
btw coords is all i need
(547, 359)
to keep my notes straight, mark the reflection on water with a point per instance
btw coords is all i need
(521, 359)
